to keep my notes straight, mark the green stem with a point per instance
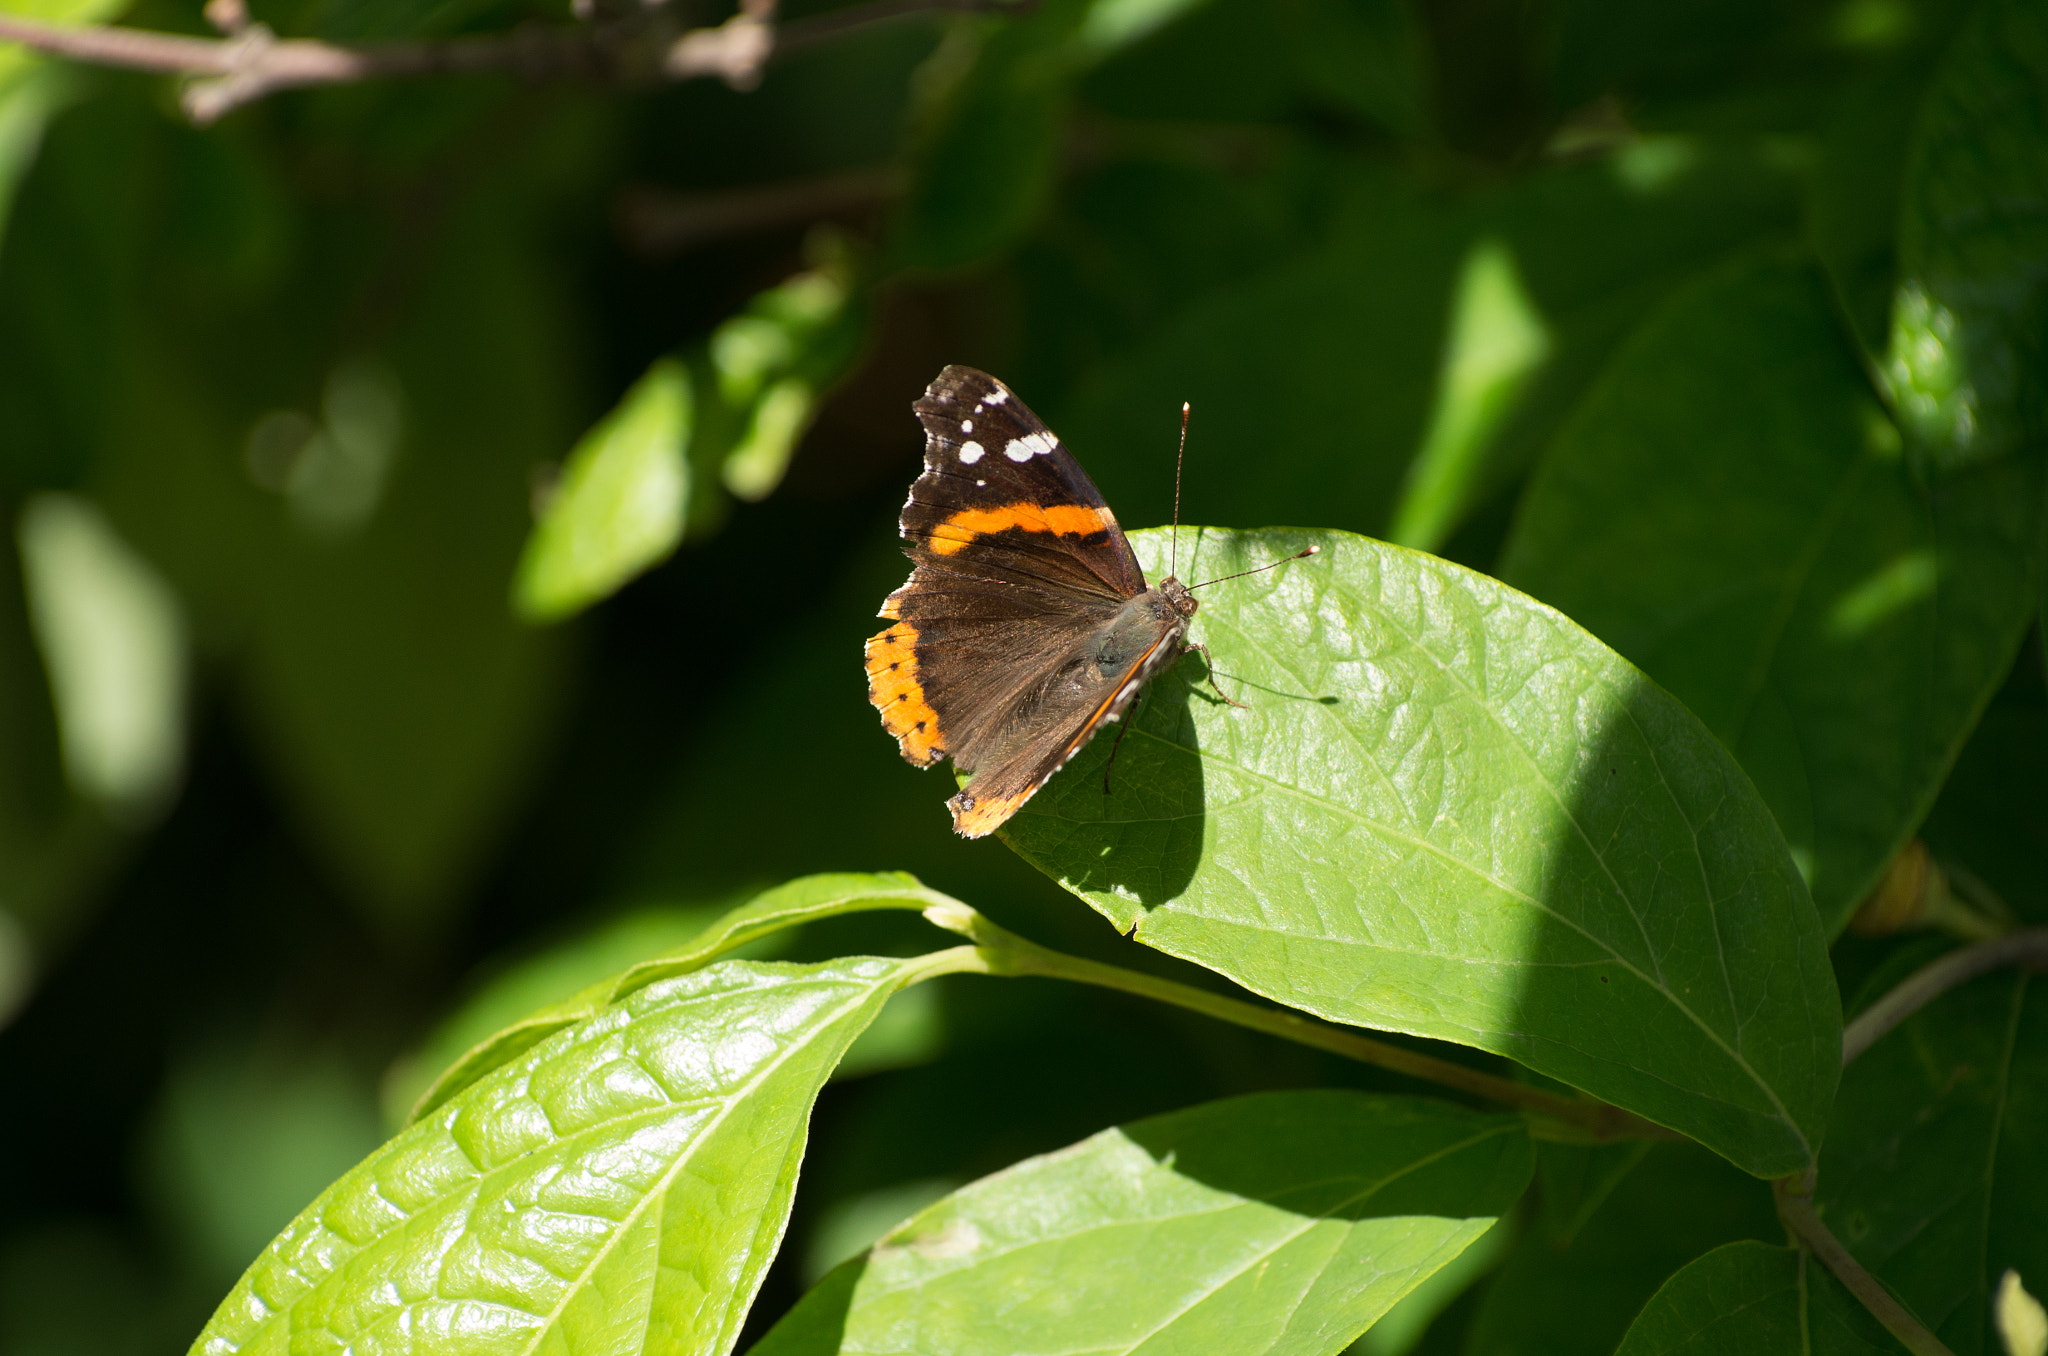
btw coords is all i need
(1004, 953)
(1795, 1208)
(1937, 977)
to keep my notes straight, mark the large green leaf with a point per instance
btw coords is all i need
(1447, 810)
(1279, 1222)
(1759, 1300)
(1934, 1176)
(622, 1186)
(1966, 352)
(800, 901)
(1730, 509)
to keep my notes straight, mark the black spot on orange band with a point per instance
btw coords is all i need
(895, 691)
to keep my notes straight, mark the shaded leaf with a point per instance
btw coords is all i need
(621, 1186)
(1576, 1297)
(1933, 1174)
(1755, 1298)
(621, 503)
(799, 901)
(1729, 509)
(1965, 355)
(1448, 811)
(1278, 1222)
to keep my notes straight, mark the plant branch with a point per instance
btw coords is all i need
(253, 62)
(1794, 1196)
(1008, 954)
(1937, 977)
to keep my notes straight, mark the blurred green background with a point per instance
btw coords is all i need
(288, 774)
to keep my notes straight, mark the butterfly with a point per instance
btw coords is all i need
(1027, 624)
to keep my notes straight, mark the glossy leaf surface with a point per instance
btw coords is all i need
(1756, 1299)
(788, 905)
(1731, 510)
(1449, 811)
(621, 1187)
(1278, 1222)
(1934, 1176)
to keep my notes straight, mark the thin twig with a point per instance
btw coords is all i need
(1010, 954)
(1937, 977)
(1794, 1196)
(254, 62)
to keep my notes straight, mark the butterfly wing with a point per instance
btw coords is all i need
(1018, 564)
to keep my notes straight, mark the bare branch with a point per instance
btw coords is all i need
(1937, 977)
(660, 222)
(252, 61)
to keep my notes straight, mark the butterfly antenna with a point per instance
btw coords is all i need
(1298, 555)
(1173, 563)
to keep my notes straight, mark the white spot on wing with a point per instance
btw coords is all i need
(970, 453)
(967, 426)
(1029, 446)
(995, 397)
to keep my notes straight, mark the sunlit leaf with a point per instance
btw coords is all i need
(1497, 341)
(1759, 1300)
(620, 1187)
(1730, 509)
(1280, 1222)
(621, 503)
(1964, 361)
(1447, 810)
(1932, 1175)
(799, 901)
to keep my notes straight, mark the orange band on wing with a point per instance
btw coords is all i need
(1068, 520)
(896, 692)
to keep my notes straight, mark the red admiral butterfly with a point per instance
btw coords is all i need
(1027, 624)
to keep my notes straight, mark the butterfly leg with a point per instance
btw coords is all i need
(1209, 671)
(1123, 727)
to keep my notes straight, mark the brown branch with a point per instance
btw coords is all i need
(1937, 977)
(254, 62)
(1794, 1196)
(659, 222)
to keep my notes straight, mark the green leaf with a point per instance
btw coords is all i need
(113, 640)
(1729, 509)
(1759, 1300)
(1279, 1222)
(533, 983)
(797, 902)
(773, 361)
(1933, 1175)
(1449, 811)
(1966, 350)
(621, 504)
(621, 1186)
(1497, 342)
(1558, 1296)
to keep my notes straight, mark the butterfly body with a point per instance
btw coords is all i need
(1027, 624)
